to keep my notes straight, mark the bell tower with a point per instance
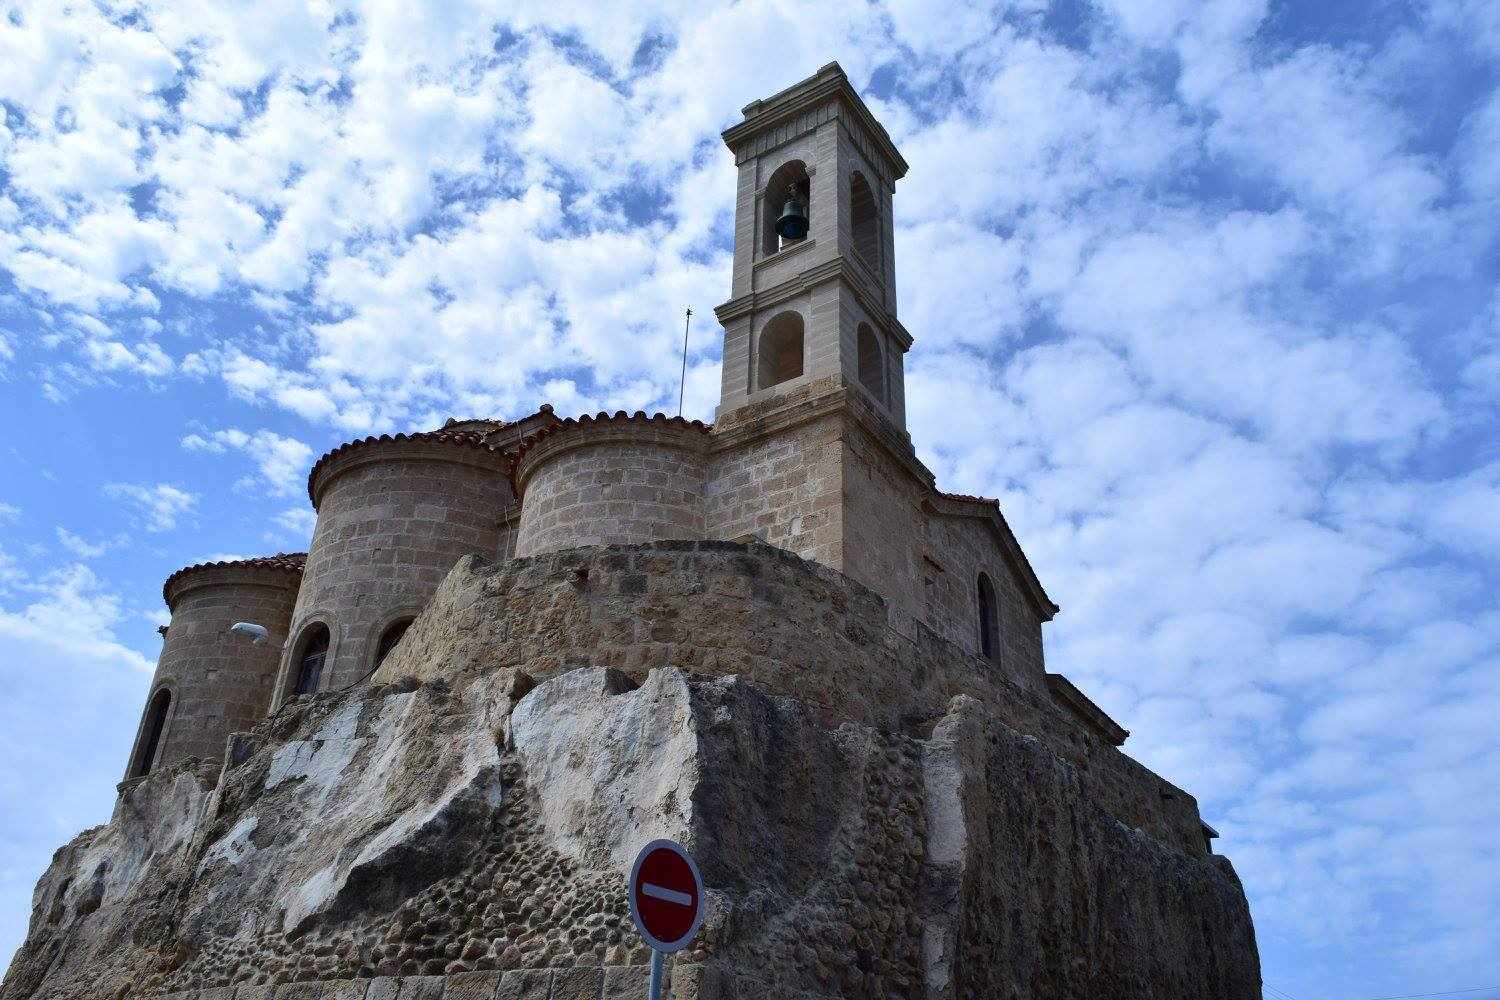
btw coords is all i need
(814, 286)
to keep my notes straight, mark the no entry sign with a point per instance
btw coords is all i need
(666, 896)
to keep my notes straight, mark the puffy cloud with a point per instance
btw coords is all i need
(78, 546)
(72, 613)
(297, 522)
(282, 461)
(161, 504)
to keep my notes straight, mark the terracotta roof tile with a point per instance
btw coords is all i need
(603, 417)
(467, 439)
(287, 562)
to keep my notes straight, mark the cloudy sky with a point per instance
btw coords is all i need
(1205, 290)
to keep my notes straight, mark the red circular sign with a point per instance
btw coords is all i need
(666, 895)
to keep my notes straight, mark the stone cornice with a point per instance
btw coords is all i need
(1065, 693)
(571, 434)
(833, 269)
(826, 85)
(953, 505)
(282, 571)
(462, 448)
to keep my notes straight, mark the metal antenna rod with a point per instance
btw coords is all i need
(682, 386)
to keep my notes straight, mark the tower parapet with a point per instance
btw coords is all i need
(614, 480)
(394, 514)
(210, 682)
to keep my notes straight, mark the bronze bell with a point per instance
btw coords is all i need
(792, 224)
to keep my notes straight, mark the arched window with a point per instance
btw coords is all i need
(871, 364)
(780, 351)
(989, 623)
(156, 722)
(790, 181)
(388, 639)
(864, 231)
(310, 659)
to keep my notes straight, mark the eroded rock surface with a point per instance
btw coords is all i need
(453, 828)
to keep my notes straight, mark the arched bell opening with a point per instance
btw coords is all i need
(787, 205)
(780, 351)
(864, 232)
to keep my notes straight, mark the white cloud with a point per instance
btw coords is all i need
(73, 614)
(297, 522)
(78, 546)
(9, 512)
(161, 504)
(283, 461)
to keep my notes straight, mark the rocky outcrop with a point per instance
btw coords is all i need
(471, 827)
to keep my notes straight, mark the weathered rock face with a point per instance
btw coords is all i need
(462, 835)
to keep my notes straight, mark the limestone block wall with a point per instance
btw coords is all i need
(217, 683)
(924, 550)
(611, 480)
(960, 544)
(782, 486)
(394, 515)
(825, 472)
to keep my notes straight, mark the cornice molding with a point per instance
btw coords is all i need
(827, 85)
(833, 269)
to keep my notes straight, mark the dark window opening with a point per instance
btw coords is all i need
(156, 722)
(863, 231)
(989, 630)
(310, 663)
(389, 638)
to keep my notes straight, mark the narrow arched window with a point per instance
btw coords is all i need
(156, 723)
(310, 659)
(989, 625)
(780, 351)
(864, 231)
(790, 183)
(871, 365)
(389, 638)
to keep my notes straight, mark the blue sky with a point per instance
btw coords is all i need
(1206, 292)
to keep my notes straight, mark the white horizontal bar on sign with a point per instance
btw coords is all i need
(666, 895)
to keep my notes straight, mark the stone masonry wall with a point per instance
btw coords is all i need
(786, 624)
(782, 487)
(925, 561)
(960, 548)
(610, 982)
(219, 682)
(393, 518)
(819, 472)
(618, 480)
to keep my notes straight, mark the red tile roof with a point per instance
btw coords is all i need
(603, 417)
(286, 562)
(465, 439)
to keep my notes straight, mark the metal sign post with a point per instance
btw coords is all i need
(666, 901)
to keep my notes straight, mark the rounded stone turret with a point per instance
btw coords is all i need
(394, 515)
(211, 682)
(611, 480)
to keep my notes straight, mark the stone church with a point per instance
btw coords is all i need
(415, 760)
